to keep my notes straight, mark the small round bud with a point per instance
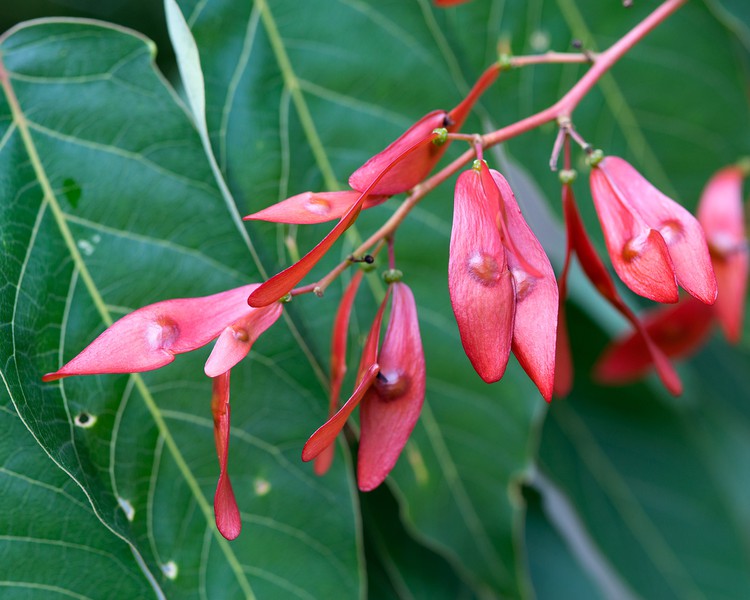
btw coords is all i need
(477, 165)
(594, 158)
(286, 298)
(744, 164)
(442, 134)
(504, 62)
(392, 276)
(368, 266)
(567, 175)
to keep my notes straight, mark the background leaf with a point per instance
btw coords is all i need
(297, 95)
(148, 222)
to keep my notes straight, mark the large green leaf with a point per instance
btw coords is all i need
(114, 196)
(110, 204)
(659, 486)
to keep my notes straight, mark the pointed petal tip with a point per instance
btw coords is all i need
(53, 376)
(323, 461)
(228, 519)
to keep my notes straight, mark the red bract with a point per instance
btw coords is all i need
(309, 208)
(448, 2)
(721, 215)
(501, 283)
(653, 242)
(677, 330)
(282, 283)
(391, 407)
(414, 168)
(227, 515)
(150, 337)
(593, 267)
(338, 363)
(390, 386)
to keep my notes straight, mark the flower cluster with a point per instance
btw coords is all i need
(502, 288)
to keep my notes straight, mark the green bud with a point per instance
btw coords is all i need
(286, 298)
(477, 165)
(442, 133)
(744, 164)
(594, 158)
(504, 62)
(567, 175)
(368, 267)
(392, 276)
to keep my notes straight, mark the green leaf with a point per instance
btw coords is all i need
(652, 482)
(83, 109)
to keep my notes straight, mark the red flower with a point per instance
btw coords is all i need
(721, 215)
(502, 286)
(593, 267)
(390, 386)
(338, 363)
(653, 242)
(449, 2)
(150, 337)
(677, 330)
(412, 169)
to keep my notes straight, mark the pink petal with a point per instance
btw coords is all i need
(235, 341)
(148, 338)
(282, 283)
(326, 433)
(681, 231)
(677, 330)
(563, 354)
(368, 368)
(392, 405)
(310, 207)
(638, 252)
(410, 169)
(537, 298)
(461, 111)
(720, 212)
(599, 276)
(479, 281)
(228, 520)
(338, 362)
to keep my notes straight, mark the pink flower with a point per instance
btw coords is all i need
(721, 215)
(579, 242)
(150, 337)
(390, 386)
(501, 283)
(414, 168)
(677, 331)
(653, 242)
